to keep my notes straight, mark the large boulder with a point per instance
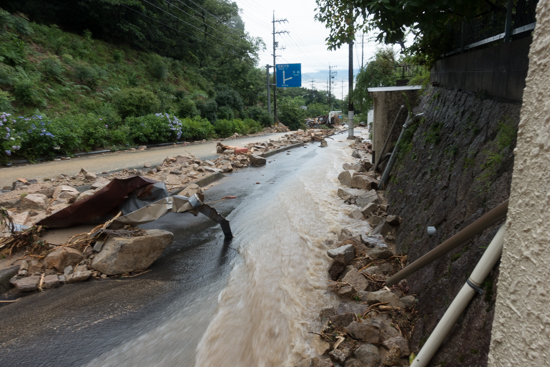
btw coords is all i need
(370, 197)
(347, 251)
(124, 255)
(345, 178)
(62, 257)
(368, 354)
(363, 182)
(256, 160)
(65, 192)
(34, 201)
(356, 280)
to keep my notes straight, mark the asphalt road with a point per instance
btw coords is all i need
(117, 160)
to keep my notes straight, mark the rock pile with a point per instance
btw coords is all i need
(92, 257)
(372, 324)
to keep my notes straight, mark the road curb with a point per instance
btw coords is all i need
(279, 150)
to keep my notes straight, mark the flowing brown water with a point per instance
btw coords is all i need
(262, 315)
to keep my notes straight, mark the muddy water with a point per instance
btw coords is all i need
(261, 313)
(275, 292)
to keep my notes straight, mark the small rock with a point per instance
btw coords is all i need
(62, 257)
(384, 296)
(368, 198)
(345, 179)
(191, 190)
(369, 209)
(336, 268)
(23, 268)
(327, 312)
(352, 362)
(347, 251)
(380, 253)
(342, 320)
(36, 267)
(363, 182)
(389, 357)
(68, 270)
(324, 143)
(356, 214)
(27, 284)
(364, 332)
(51, 281)
(373, 270)
(256, 160)
(374, 220)
(368, 354)
(394, 220)
(78, 276)
(346, 292)
(356, 154)
(338, 356)
(98, 245)
(322, 362)
(90, 176)
(65, 192)
(408, 301)
(356, 280)
(400, 343)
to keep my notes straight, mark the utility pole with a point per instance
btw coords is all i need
(342, 89)
(331, 75)
(350, 99)
(268, 89)
(275, 45)
(362, 51)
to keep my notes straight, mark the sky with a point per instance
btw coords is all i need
(305, 42)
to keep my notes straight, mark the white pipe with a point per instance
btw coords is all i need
(482, 269)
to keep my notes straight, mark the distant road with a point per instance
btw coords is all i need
(118, 160)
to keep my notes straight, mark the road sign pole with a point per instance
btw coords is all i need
(350, 93)
(268, 90)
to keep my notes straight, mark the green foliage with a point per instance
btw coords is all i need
(226, 128)
(5, 101)
(434, 137)
(428, 20)
(209, 110)
(52, 68)
(197, 128)
(25, 93)
(229, 98)
(158, 68)
(225, 113)
(379, 72)
(136, 102)
(291, 114)
(317, 109)
(88, 75)
(261, 115)
(187, 108)
(154, 128)
(252, 126)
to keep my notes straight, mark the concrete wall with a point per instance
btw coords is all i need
(386, 108)
(521, 329)
(498, 71)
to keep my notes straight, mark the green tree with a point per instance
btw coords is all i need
(291, 114)
(379, 72)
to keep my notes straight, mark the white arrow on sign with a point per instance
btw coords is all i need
(285, 79)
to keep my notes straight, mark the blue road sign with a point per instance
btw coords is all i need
(289, 75)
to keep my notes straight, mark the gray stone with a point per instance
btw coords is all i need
(256, 160)
(384, 296)
(5, 276)
(345, 178)
(390, 357)
(356, 280)
(347, 251)
(356, 214)
(65, 192)
(124, 255)
(68, 270)
(51, 281)
(363, 182)
(336, 268)
(408, 301)
(363, 332)
(98, 245)
(62, 257)
(342, 320)
(352, 362)
(377, 253)
(344, 233)
(327, 312)
(370, 197)
(23, 268)
(400, 343)
(369, 209)
(34, 202)
(374, 220)
(356, 154)
(324, 143)
(368, 354)
(346, 291)
(36, 267)
(78, 276)
(373, 270)
(322, 362)
(27, 284)
(394, 220)
(191, 190)
(338, 356)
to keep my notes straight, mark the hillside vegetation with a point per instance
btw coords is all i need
(62, 92)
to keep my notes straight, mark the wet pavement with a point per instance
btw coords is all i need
(159, 318)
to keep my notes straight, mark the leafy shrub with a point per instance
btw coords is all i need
(187, 108)
(5, 101)
(52, 68)
(89, 75)
(291, 114)
(157, 68)
(226, 128)
(118, 56)
(209, 110)
(12, 50)
(261, 115)
(8, 75)
(197, 128)
(229, 98)
(154, 128)
(25, 93)
(225, 113)
(136, 102)
(252, 126)
(30, 136)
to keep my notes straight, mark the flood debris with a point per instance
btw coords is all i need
(372, 324)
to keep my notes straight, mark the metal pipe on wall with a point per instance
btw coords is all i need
(461, 301)
(487, 220)
(388, 138)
